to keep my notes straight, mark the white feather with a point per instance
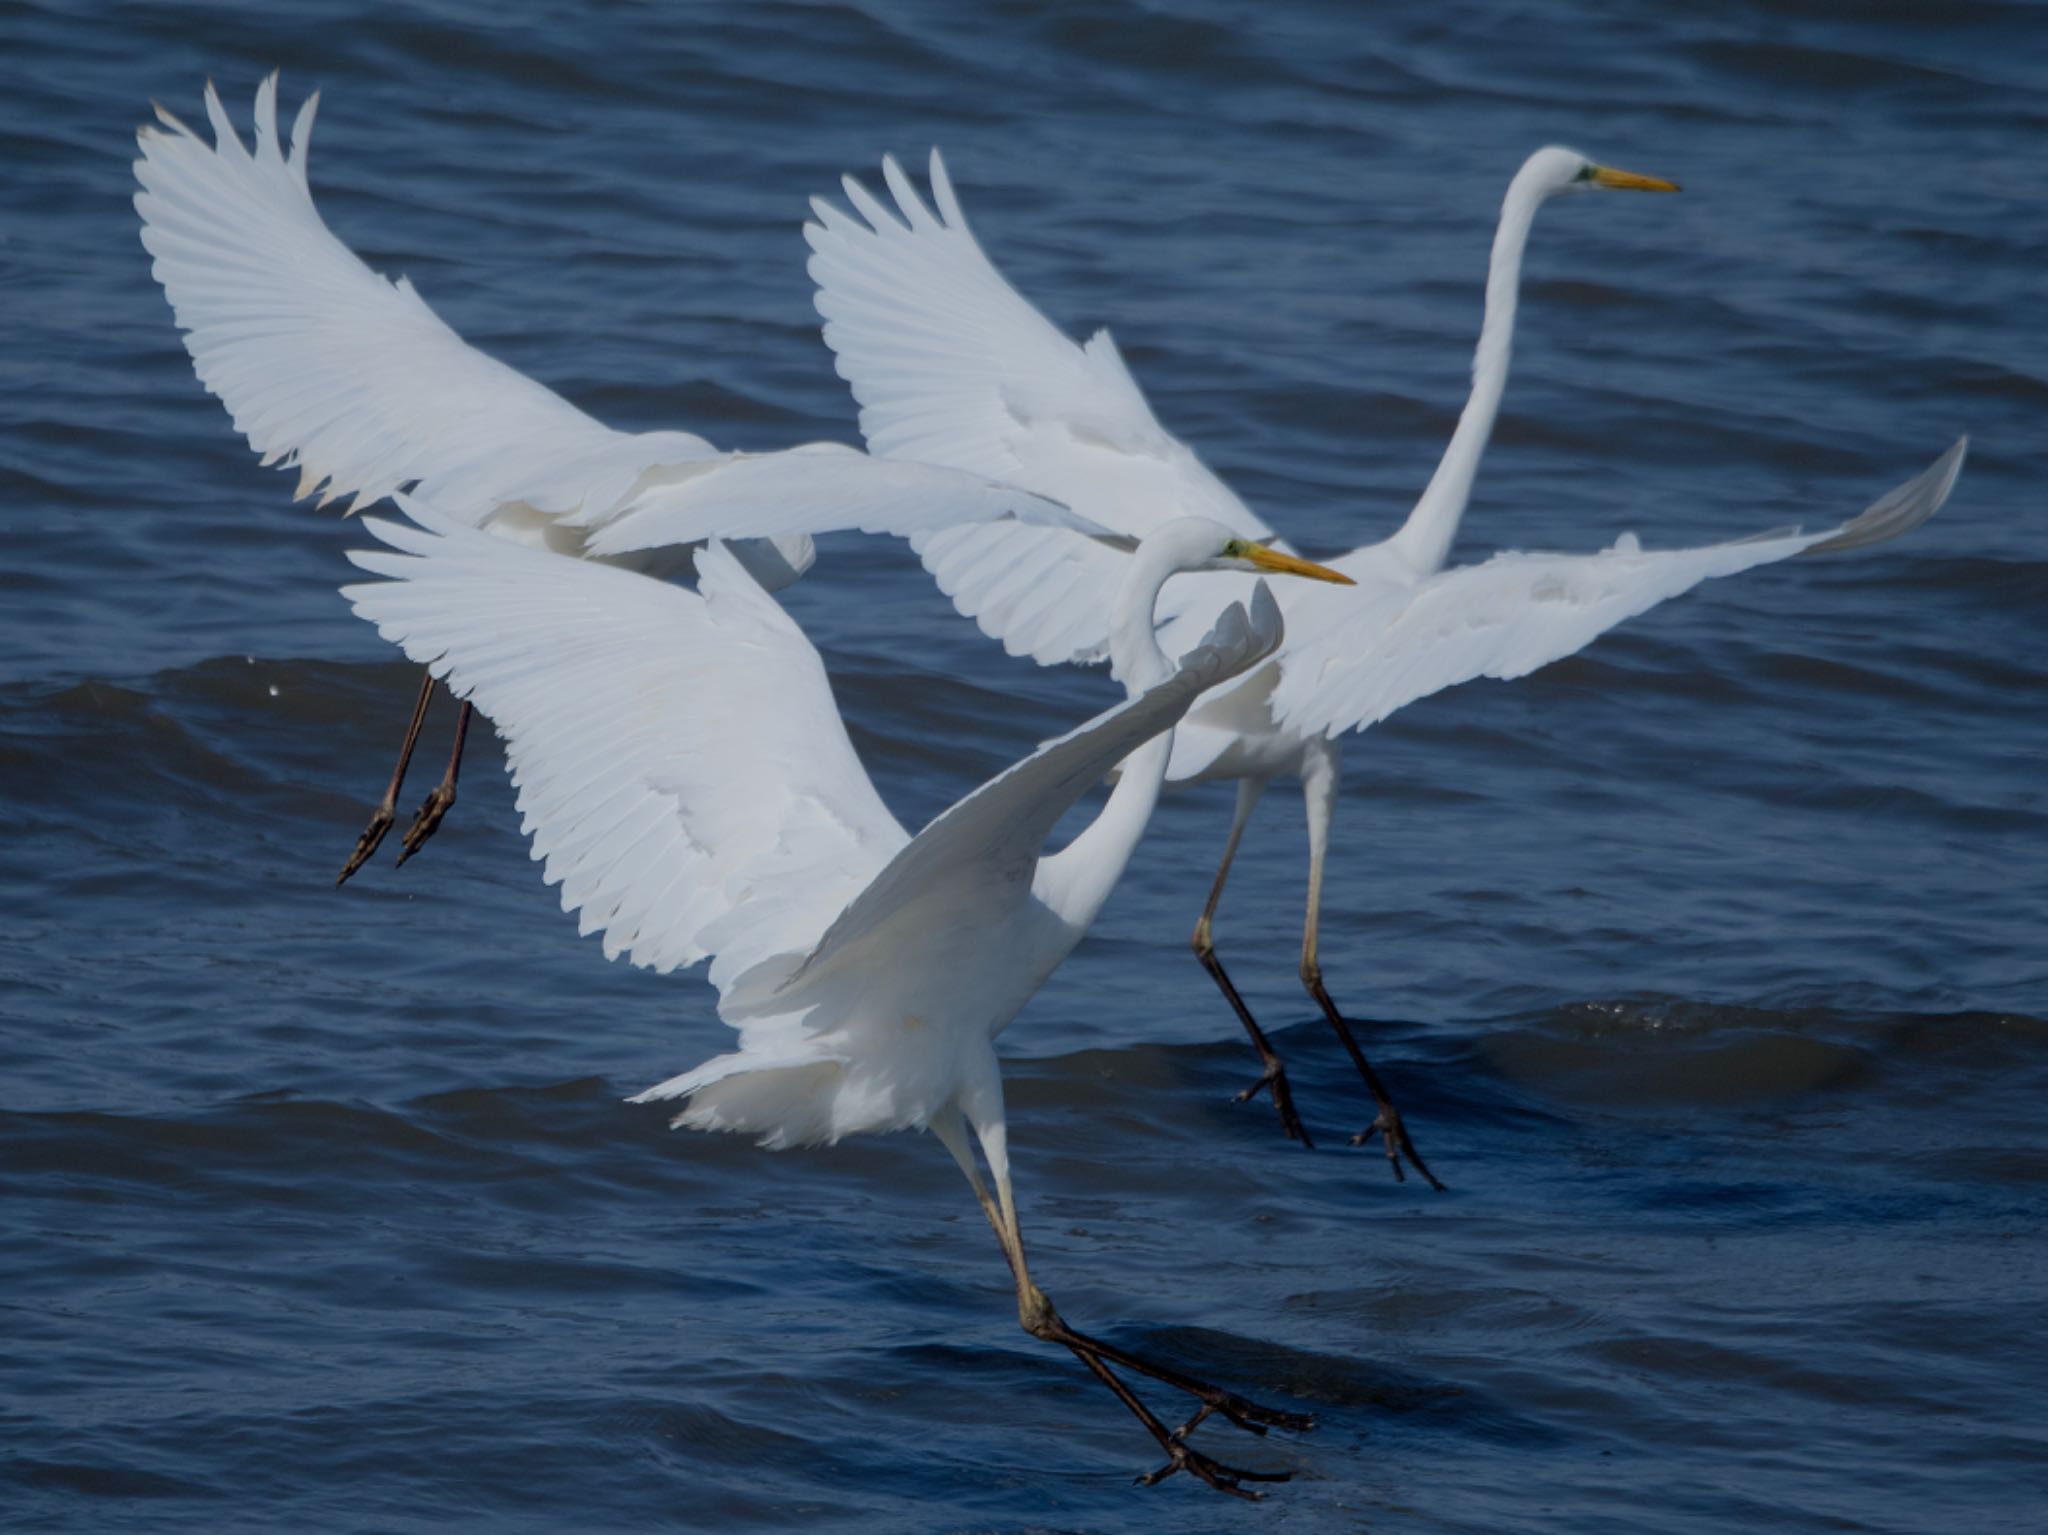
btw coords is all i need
(330, 368)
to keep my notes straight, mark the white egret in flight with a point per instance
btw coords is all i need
(686, 777)
(952, 366)
(330, 368)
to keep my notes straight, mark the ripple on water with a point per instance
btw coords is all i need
(1705, 966)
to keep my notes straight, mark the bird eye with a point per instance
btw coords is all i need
(1585, 173)
(1234, 550)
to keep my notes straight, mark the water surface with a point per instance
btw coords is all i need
(1707, 965)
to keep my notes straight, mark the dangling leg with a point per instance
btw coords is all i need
(1319, 792)
(1038, 1317)
(1275, 1074)
(443, 793)
(380, 822)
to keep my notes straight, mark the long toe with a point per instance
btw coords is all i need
(1274, 1080)
(366, 844)
(1283, 1100)
(1217, 1475)
(1250, 1416)
(1395, 1142)
(1415, 1161)
(427, 821)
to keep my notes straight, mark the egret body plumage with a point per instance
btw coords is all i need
(686, 778)
(952, 366)
(353, 380)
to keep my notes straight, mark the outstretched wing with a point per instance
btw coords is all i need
(1349, 667)
(326, 365)
(681, 766)
(951, 365)
(822, 487)
(995, 835)
(321, 362)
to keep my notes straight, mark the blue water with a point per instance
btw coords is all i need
(1707, 966)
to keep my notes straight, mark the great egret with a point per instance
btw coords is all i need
(686, 777)
(327, 367)
(951, 365)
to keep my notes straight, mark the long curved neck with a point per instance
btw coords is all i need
(1077, 879)
(1424, 541)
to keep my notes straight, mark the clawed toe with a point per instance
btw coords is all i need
(1253, 1418)
(1394, 1140)
(427, 821)
(1223, 1478)
(1381, 1128)
(1042, 1321)
(1274, 1079)
(1249, 1416)
(367, 843)
(424, 824)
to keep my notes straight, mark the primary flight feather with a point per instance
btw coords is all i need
(685, 777)
(351, 378)
(951, 365)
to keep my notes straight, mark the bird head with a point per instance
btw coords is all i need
(1202, 543)
(1554, 171)
(1243, 554)
(1198, 543)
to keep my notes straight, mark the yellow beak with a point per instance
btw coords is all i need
(1287, 565)
(1629, 181)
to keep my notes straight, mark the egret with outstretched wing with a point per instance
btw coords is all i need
(331, 369)
(687, 780)
(951, 365)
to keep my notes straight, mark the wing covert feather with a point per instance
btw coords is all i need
(951, 365)
(1351, 663)
(682, 769)
(997, 832)
(821, 487)
(321, 362)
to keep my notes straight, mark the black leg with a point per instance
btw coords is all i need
(1387, 1125)
(380, 821)
(1319, 794)
(1274, 1076)
(1038, 1317)
(1180, 1456)
(1043, 1322)
(442, 795)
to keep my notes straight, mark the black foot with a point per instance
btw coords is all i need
(1274, 1077)
(1394, 1138)
(366, 844)
(1249, 1416)
(1219, 1476)
(427, 821)
(1048, 1324)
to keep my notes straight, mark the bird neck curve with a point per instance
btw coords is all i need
(1424, 541)
(1134, 653)
(1077, 880)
